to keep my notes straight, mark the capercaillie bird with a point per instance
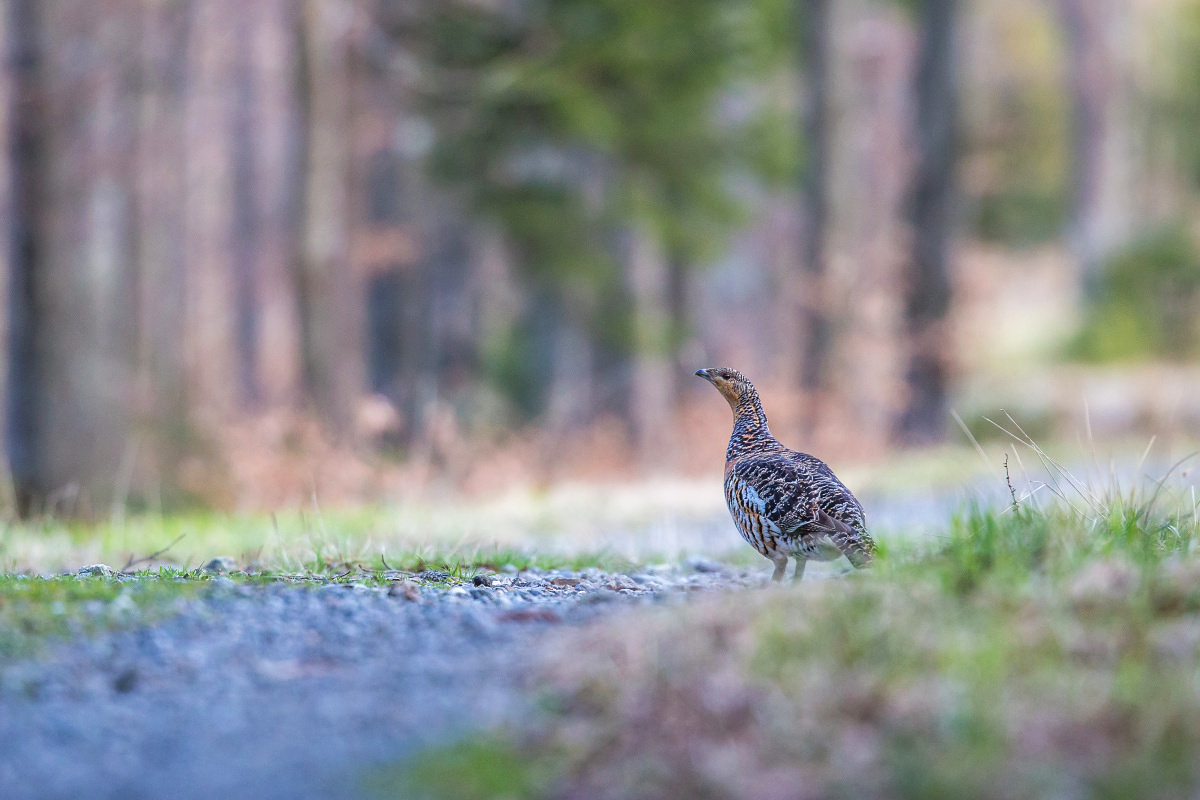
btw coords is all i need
(783, 502)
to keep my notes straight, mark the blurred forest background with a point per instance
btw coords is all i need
(258, 252)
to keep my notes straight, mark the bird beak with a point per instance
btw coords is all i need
(703, 373)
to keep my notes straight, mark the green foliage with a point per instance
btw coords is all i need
(1018, 132)
(1147, 303)
(912, 8)
(1180, 106)
(985, 543)
(566, 119)
(486, 768)
(34, 610)
(1020, 216)
(571, 124)
(1016, 128)
(509, 363)
(465, 561)
(362, 545)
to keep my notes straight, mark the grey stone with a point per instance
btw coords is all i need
(434, 575)
(405, 590)
(221, 564)
(704, 565)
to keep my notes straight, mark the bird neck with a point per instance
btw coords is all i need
(750, 431)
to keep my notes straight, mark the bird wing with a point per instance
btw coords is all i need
(857, 545)
(797, 493)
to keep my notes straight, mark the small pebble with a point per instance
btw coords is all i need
(405, 590)
(434, 575)
(700, 564)
(221, 564)
(126, 681)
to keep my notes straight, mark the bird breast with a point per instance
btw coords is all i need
(749, 512)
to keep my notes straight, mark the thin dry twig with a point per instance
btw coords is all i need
(1055, 488)
(1076, 484)
(1054, 470)
(1011, 491)
(132, 561)
(1195, 509)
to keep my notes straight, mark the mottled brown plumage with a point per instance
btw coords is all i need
(784, 503)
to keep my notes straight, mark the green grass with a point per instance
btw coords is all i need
(485, 769)
(321, 545)
(34, 611)
(373, 546)
(37, 609)
(1025, 654)
(569, 526)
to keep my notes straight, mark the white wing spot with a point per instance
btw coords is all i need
(752, 499)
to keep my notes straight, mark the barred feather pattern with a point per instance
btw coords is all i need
(784, 502)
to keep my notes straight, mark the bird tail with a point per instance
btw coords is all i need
(856, 545)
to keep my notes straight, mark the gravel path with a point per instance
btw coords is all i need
(265, 691)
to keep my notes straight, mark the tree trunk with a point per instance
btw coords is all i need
(651, 391)
(70, 160)
(923, 420)
(679, 276)
(28, 180)
(329, 293)
(112, 245)
(1090, 232)
(210, 323)
(448, 266)
(877, 119)
(570, 398)
(246, 226)
(278, 155)
(814, 189)
(162, 259)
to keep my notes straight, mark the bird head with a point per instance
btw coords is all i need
(733, 385)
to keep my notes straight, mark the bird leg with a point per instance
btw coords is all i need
(799, 573)
(780, 560)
